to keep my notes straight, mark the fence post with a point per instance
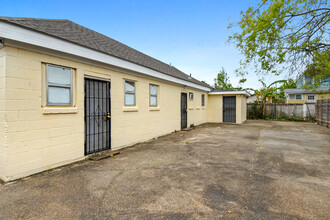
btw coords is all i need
(317, 111)
(328, 113)
(321, 111)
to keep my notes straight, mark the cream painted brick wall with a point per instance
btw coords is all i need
(215, 108)
(243, 108)
(2, 114)
(37, 141)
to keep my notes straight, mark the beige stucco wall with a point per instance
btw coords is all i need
(38, 140)
(2, 113)
(215, 108)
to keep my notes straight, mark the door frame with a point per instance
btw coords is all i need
(223, 108)
(181, 110)
(110, 106)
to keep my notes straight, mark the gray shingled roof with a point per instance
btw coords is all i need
(75, 33)
(305, 91)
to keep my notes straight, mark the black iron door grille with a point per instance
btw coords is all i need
(97, 116)
(229, 109)
(183, 110)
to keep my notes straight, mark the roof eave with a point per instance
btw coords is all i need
(28, 36)
(230, 93)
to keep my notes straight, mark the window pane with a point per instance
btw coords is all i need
(153, 101)
(59, 75)
(59, 95)
(298, 97)
(153, 90)
(292, 96)
(129, 86)
(129, 99)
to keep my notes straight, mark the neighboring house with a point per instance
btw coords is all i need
(67, 91)
(306, 80)
(252, 99)
(302, 96)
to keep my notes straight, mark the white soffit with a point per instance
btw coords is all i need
(230, 93)
(16, 33)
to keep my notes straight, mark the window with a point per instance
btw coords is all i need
(292, 96)
(153, 95)
(295, 97)
(310, 97)
(59, 85)
(130, 99)
(191, 95)
(203, 100)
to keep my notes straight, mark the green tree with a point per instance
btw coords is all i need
(289, 84)
(205, 83)
(278, 34)
(319, 68)
(267, 94)
(222, 81)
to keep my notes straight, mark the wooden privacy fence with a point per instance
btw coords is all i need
(305, 111)
(323, 112)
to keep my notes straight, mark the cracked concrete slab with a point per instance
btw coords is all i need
(258, 170)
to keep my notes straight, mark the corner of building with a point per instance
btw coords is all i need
(3, 124)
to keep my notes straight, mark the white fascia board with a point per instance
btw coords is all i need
(230, 93)
(16, 33)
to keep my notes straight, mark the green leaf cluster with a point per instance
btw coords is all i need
(278, 34)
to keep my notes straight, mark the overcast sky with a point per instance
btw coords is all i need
(191, 35)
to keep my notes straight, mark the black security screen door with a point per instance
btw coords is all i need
(229, 109)
(183, 110)
(97, 116)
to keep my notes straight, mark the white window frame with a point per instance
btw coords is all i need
(134, 92)
(150, 95)
(203, 100)
(67, 86)
(191, 95)
(310, 99)
(295, 96)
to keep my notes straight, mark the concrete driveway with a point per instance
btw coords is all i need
(258, 170)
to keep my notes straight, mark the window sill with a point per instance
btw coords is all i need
(191, 108)
(203, 108)
(59, 110)
(130, 109)
(154, 108)
(197, 108)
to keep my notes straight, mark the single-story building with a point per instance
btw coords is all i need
(306, 96)
(67, 92)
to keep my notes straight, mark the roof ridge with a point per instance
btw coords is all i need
(75, 33)
(128, 46)
(28, 18)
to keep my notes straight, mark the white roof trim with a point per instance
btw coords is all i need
(230, 93)
(20, 34)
